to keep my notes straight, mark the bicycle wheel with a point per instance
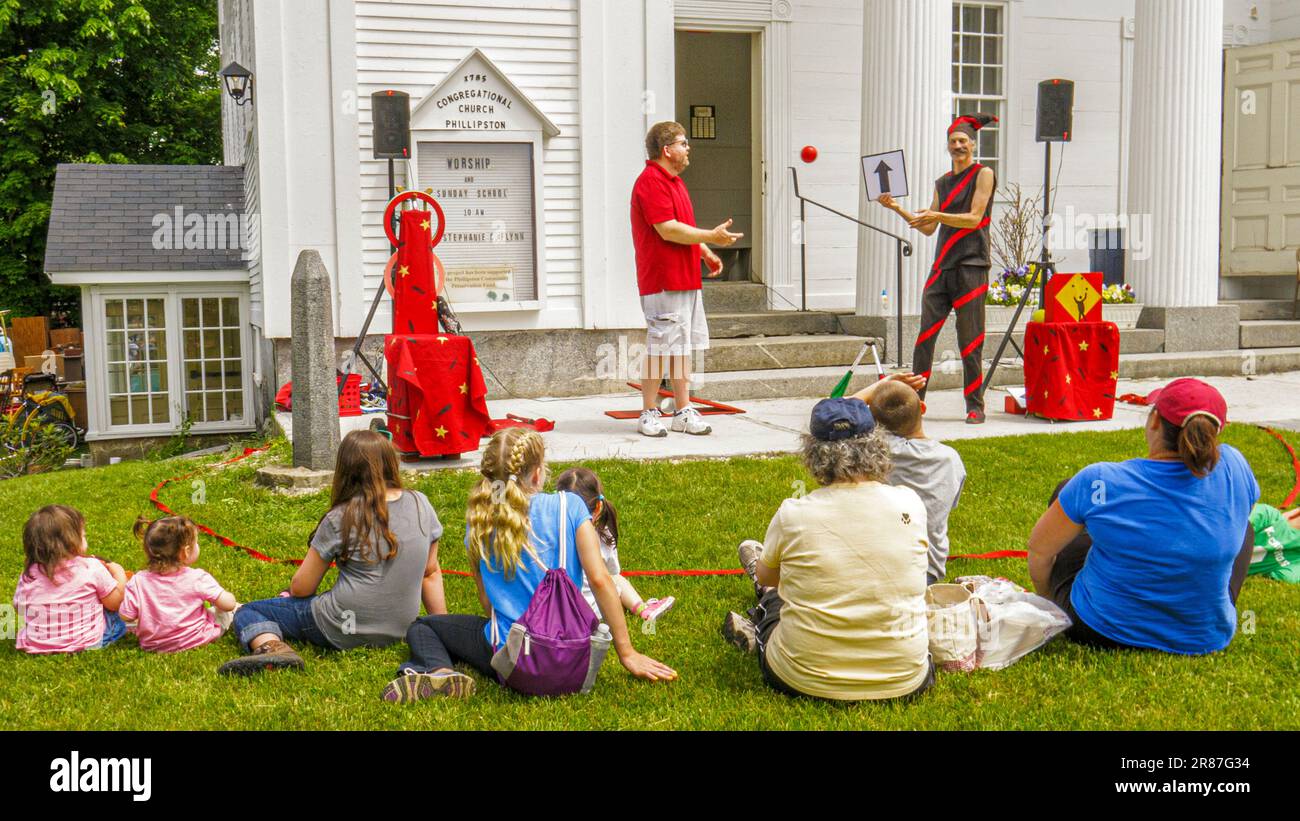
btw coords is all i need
(66, 431)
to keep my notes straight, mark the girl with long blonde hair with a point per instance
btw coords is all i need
(512, 535)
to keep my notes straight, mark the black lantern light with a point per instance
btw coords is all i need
(239, 83)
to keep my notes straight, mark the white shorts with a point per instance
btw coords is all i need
(675, 323)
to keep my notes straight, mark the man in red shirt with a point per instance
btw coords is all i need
(668, 252)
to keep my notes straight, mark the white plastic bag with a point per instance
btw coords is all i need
(950, 618)
(1010, 622)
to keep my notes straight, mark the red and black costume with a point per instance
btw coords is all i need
(959, 277)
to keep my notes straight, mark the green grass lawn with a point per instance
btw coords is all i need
(689, 514)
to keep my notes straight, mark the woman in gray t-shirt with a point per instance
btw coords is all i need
(384, 540)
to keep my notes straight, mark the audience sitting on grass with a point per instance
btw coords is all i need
(840, 576)
(166, 600)
(604, 518)
(512, 535)
(384, 539)
(928, 466)
(68, 599)
(1152, 552)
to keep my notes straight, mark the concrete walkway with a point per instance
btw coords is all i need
(583, 432)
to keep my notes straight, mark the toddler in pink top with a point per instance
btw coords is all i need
(166, 601)
(66, 598)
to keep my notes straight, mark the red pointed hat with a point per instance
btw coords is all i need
(970, 123)
(1184, 398)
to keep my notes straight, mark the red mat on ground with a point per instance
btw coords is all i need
(708, 406)
(436, 400)
(1071, 369)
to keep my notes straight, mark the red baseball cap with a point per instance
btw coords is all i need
(1184, 398)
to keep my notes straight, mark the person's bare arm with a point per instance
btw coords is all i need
(114, 600)
(683, 234)
(983, 193)
(921, 220)
(913, 381)
(307, 579)
(226, 602)
(431, 590)
(1051, 534)
(767, 576)
(483, 599)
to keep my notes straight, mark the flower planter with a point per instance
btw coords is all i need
(998, 316)
(1123, 315)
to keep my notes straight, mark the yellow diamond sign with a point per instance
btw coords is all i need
(1078, 297)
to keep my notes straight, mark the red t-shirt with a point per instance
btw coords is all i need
(662, 265)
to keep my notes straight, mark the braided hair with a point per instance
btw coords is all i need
(496, 518)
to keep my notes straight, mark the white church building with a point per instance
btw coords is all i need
(528, 120)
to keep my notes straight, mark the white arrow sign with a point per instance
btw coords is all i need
(885, 174)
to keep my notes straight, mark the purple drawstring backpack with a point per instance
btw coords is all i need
(556, 647)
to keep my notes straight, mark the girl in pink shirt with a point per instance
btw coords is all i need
(68, 600)
(167, 600)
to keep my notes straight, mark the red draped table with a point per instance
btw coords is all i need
(436, 399)
(1071, 369)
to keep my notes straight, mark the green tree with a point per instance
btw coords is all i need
(100, 81)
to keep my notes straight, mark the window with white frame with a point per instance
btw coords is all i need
(171, 353)
(979, 72)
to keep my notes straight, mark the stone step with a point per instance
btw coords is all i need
(734, 297)
(727, 386)
(1270, 333)
(1251, 309)
(772, 352)
(729, 325)
(1131, 340)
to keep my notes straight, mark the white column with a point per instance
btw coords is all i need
(907, 104)
(1173, 173)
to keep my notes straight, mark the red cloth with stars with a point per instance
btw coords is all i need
(436, 394)
(1071, 369)
(415, 295)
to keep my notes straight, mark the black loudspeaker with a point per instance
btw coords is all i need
(1055, 110)
(390, 111)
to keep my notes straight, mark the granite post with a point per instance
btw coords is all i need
(315, 389)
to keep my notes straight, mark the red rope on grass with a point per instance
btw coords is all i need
(993, 554)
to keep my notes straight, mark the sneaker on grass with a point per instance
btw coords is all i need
(273, 655)
(654, 608)
(649, 425)
(413, 686)
(690, 421)
(749, 551)
(740, 632)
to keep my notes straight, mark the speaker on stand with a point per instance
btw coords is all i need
(390, 115)
(1054, 124)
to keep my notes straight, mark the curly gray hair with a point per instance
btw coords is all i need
(857, 459)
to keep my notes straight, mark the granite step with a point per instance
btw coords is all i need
(1270, 333)
(729, 325)
(734, 297)
(1251, 309)
(782, 352)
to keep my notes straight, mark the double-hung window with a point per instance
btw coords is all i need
(979, 72)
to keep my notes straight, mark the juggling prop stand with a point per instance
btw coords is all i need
(436, 393)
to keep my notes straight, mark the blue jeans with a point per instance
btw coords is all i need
(282, 617)
(114, 629)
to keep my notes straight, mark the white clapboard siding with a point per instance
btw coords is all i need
(411, 47)
(253, 234)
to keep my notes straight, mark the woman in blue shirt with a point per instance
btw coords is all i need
(512, 534)
(1150, 552)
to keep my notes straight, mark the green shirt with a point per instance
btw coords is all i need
(1277, 546)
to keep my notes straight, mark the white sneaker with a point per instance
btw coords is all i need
(690, 421)
(650, 424)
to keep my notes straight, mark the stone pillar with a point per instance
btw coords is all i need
(1173, 173)
(907, 104)
(315, 389)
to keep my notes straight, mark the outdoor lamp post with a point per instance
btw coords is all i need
(239, 81)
